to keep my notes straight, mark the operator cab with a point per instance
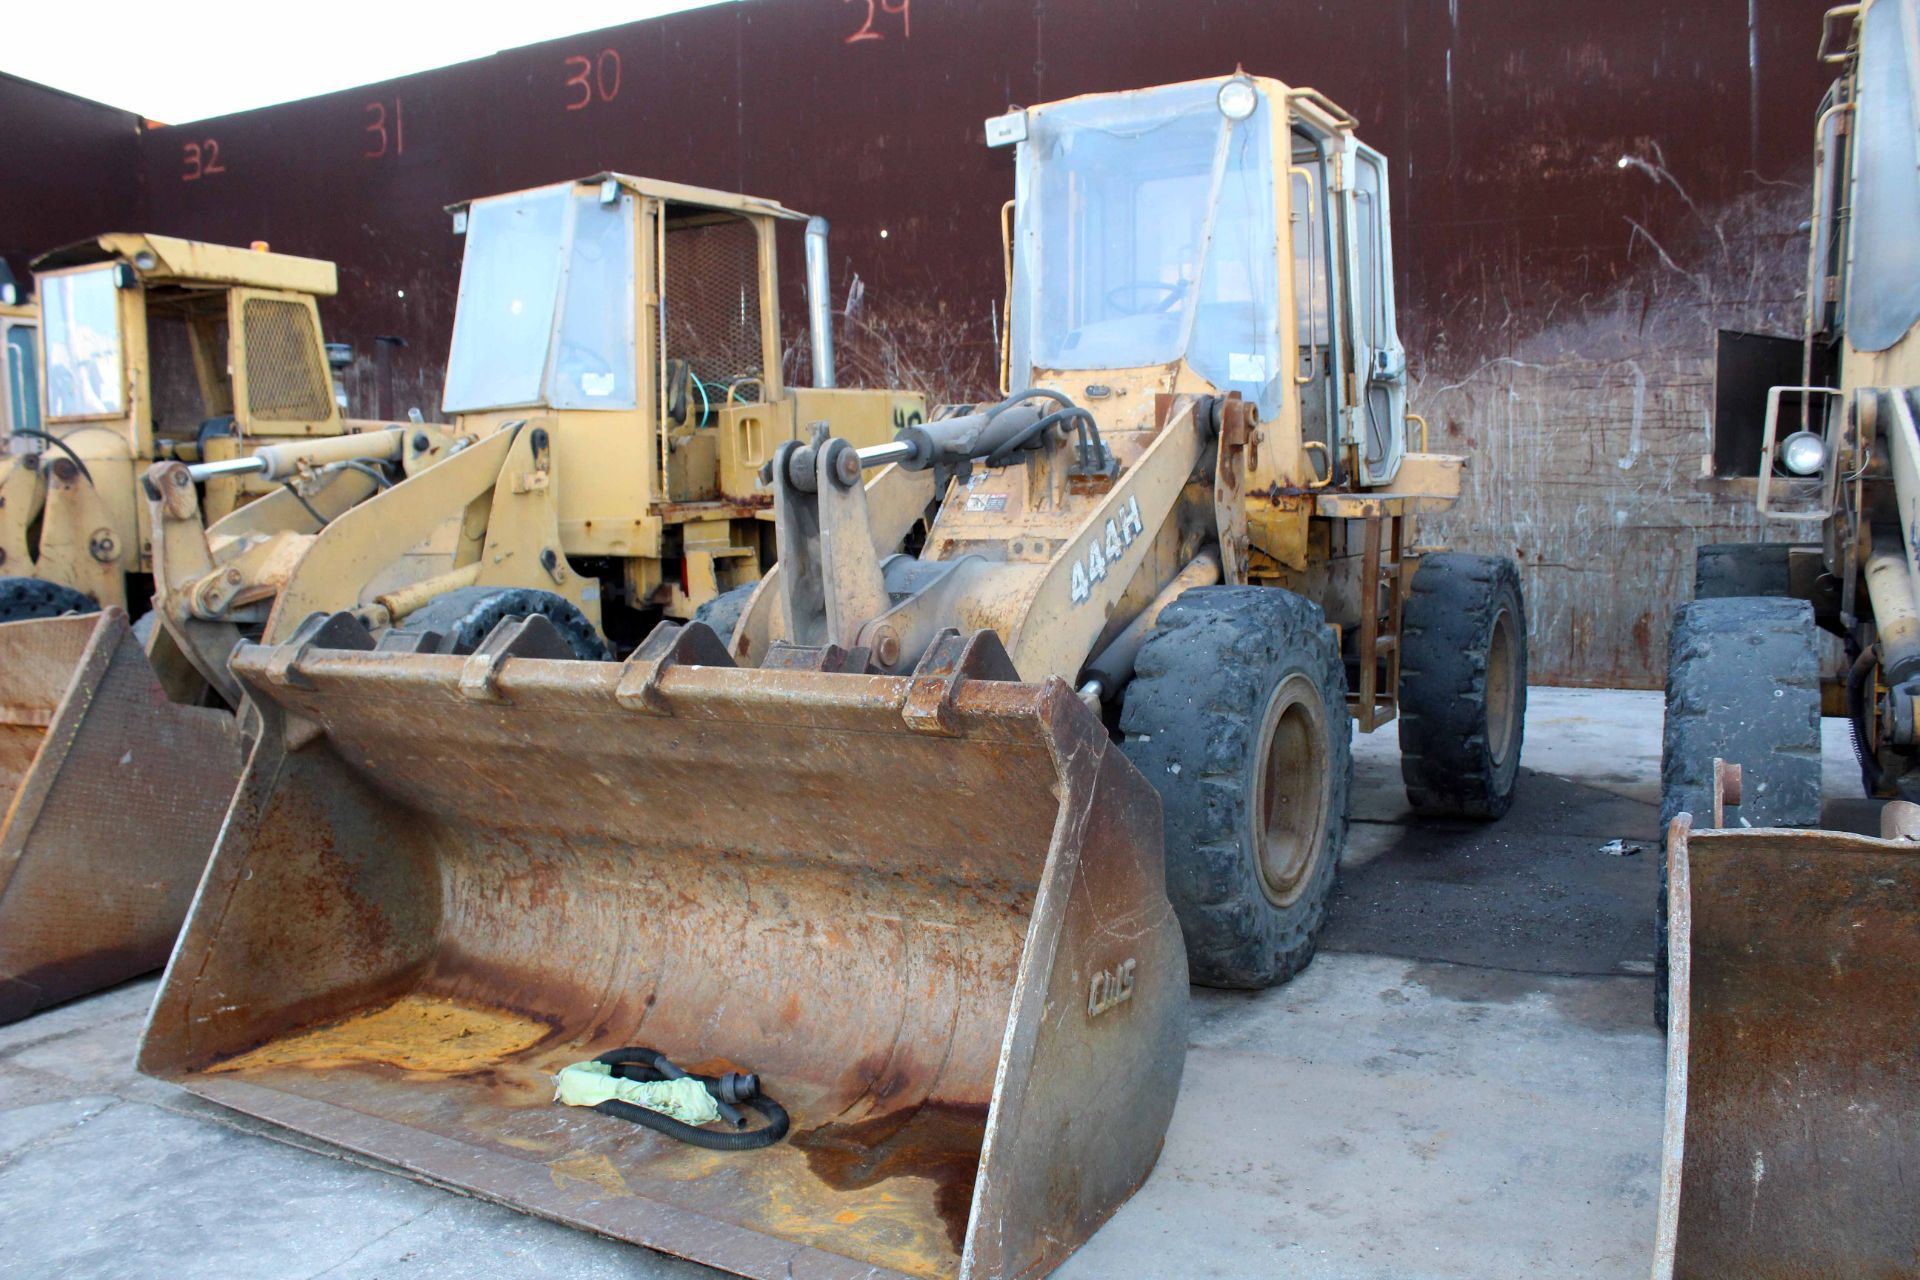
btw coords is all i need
(1149, 232)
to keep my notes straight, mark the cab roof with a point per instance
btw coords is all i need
(171, 260)
(672, 192)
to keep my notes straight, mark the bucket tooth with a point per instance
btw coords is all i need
(1792, 1143)
(112, 796)
(949, 955)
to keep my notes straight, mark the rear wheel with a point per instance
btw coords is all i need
(1237, 713)
(465, 617)
(1743, 685)
(22, 599)
(1463, 685)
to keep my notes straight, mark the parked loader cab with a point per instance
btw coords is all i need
(1788, 969)
(154, 347)
(116, 765)
(615, 385)
(897, 832)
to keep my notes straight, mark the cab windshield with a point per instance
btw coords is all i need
(546, 309)
(1146, 232)
(79, 316)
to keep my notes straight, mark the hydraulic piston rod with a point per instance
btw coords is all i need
(280, 461)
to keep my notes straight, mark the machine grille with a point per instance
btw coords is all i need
(286, 379)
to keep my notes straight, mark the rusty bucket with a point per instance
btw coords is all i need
(114, 796)
(929, 913)
(1792, 1145)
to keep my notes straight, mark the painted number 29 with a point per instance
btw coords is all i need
(1105, 547)
(894, 8)
(591, 78)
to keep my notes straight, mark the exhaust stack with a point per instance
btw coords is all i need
(819, 302)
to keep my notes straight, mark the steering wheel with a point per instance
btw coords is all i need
(1121, 294)
(581, 359)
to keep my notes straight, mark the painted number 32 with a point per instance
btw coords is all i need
(1104, 548)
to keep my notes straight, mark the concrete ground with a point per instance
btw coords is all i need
(1466, 1082)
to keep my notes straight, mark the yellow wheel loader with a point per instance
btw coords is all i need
(615, 386)
(113, 775)
(927, 844)
(1789, 960)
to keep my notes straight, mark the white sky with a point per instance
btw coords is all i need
(180, 60)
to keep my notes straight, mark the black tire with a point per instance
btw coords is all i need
(1743, 684)
(22, 599)
(722, 613)
(1237, 713)
(463, 618)
(1463, 685)
(1726, 569)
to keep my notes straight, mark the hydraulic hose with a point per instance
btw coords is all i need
(1093, 450)
(728, 1092)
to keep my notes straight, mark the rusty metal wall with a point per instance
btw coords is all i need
(1559, 307)
(68, 168)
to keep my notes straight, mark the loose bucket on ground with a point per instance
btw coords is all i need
(114, 796)
(930, 912)
(1792, 1143)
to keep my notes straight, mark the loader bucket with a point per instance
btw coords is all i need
(114, 796)
(1792, 1144)
(946, 949)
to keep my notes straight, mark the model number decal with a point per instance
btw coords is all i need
(1104, 548)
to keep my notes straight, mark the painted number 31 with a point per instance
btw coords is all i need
(1104, 548)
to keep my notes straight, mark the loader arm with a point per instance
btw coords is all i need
(1048, 613)
(1083, 587)
(23, 495)
(209, 581)
(375, 534)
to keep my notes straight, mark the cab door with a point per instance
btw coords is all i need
(20, 378)
(1378, 414)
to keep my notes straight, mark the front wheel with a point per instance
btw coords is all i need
(23, 599)
(724, 611)
(1463, 685)
(1237, 714)
(463, 619)
(1743, 685)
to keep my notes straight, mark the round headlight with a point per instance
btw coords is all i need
(1238, 98)
(1803, 453)
(145, 260)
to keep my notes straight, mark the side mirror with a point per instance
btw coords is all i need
(339, 354)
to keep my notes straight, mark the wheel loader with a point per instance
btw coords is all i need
(928, 845)
(615, 386)
(1789, 960)
(115, 770)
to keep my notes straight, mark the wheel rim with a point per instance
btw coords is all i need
(1293, 790)
(1501, 700)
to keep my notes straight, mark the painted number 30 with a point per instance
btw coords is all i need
(1103, 549)
(591, 78)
